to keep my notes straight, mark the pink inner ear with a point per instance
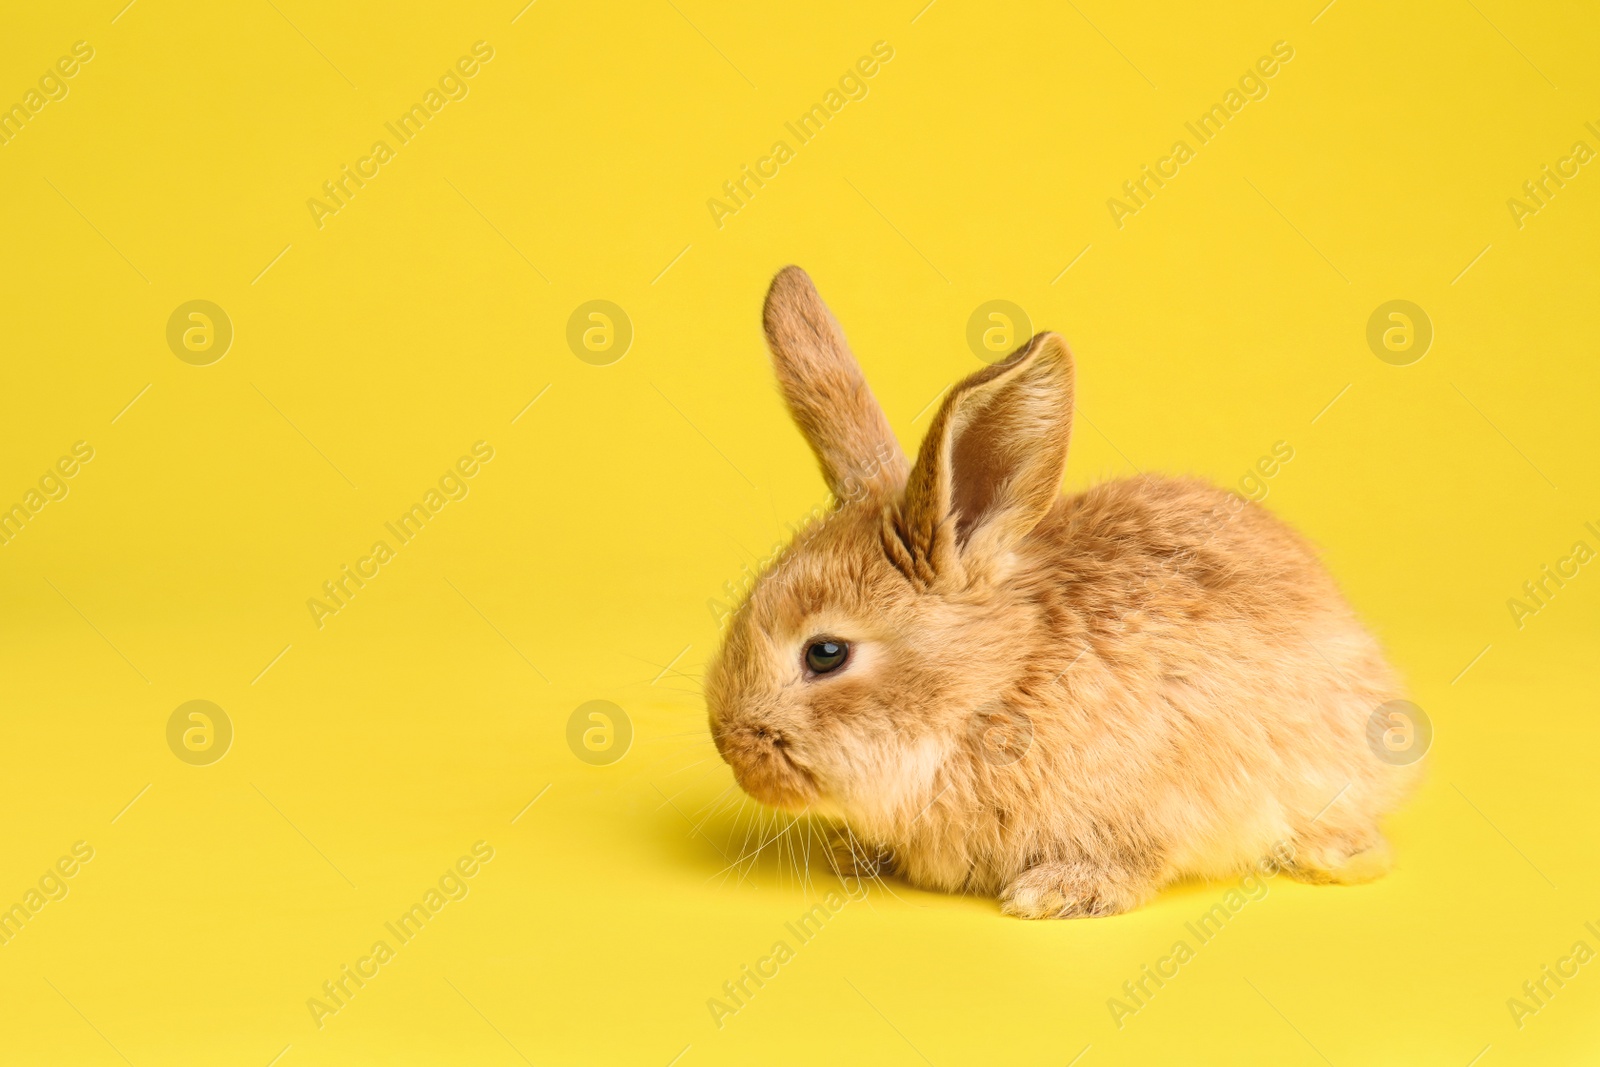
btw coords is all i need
(978, 465)
(1008, 446)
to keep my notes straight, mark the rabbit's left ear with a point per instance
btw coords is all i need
(826, 393)
(991, 465)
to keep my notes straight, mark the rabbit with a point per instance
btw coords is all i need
(1063, 702)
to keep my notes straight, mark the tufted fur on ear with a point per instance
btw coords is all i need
(826, 393)
(991, 465)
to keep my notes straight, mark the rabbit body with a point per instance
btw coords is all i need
(1063, 702)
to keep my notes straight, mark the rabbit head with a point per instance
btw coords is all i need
(862, 661)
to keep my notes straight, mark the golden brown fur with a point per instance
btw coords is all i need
(1065, 702)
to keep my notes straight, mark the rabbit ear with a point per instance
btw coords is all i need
(991, 465)
(826, 394)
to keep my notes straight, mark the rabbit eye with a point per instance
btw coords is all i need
(825, 656)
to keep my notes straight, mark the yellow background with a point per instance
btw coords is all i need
(1223, 318)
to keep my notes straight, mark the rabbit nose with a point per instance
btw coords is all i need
(745, 735)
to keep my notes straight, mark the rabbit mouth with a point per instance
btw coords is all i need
(765, 768)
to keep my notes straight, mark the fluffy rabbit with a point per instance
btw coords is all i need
(1067, 702)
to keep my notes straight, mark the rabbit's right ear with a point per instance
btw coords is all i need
(991, 466)
(826, 393)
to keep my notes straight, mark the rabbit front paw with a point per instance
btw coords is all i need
(1057, 890)
(850, 857)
